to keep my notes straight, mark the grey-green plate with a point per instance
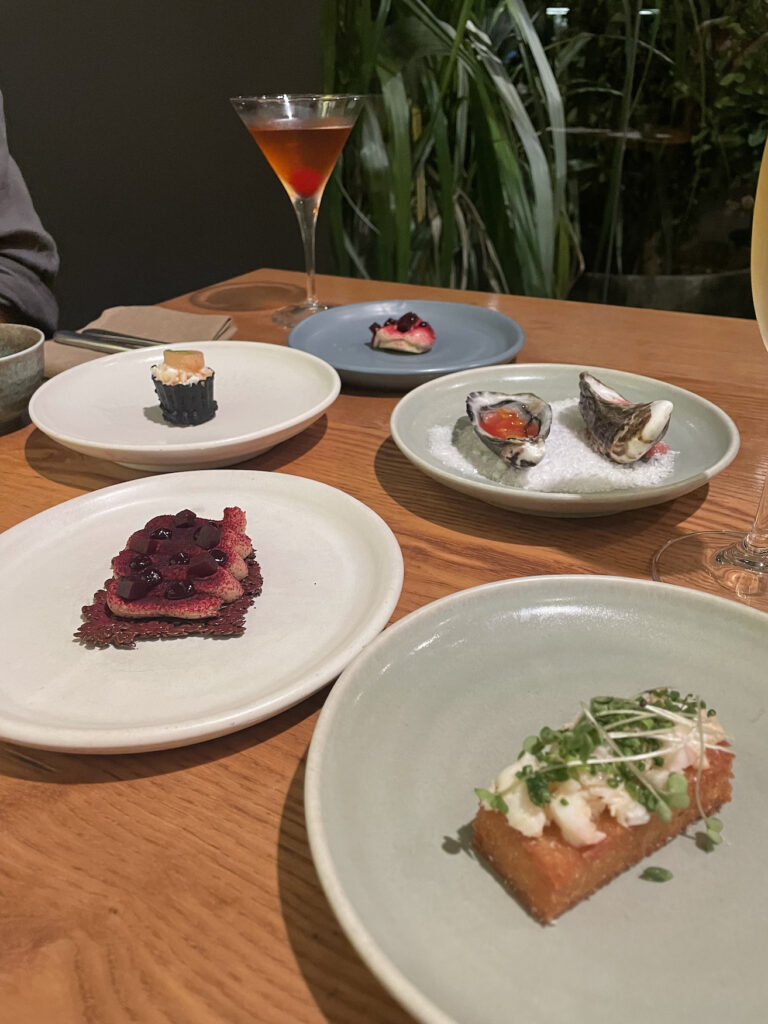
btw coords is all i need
(437, 705)
(705, 438)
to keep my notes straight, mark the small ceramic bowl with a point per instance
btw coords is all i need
(21, 369)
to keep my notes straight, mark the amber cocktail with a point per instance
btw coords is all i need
(301, 137)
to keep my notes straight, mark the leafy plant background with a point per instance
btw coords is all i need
(667, 117)
(457, 174)
(508, 148)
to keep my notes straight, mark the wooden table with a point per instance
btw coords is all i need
(178, 886)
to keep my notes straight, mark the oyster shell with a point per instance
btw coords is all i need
(514, 427)
(617, 428)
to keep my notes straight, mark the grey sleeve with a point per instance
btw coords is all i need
(28, 257)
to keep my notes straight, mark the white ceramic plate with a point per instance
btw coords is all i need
(332, 576)
(437, 705)
(108, 408)
(705, 438)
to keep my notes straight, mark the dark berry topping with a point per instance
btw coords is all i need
(161, 533)
(202, 565)
(184, 518)
(177, 590)
(407, 322)
(219, 556)
(208, 535)
(144, 544)
(180, 558)
(132, 588)
(151, 577)
(140, 562)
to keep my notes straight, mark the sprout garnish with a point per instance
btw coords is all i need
(622, 737)
(656, 874)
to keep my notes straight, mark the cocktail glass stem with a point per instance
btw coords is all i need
(306, 208)
(306, 212)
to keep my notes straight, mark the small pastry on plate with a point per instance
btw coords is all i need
(410, 334)
(184, 386)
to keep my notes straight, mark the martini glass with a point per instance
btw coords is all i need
(721, 561)
(301, 137)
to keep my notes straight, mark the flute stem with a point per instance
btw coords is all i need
(756, 541)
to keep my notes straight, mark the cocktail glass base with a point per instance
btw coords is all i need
(247, 296)
(717, 562)
(289, 316)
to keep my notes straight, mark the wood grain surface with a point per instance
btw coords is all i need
(178, 886)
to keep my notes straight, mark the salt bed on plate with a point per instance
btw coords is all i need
(569, 466)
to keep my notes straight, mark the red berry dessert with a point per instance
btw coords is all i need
(409, 334)
(178, 575)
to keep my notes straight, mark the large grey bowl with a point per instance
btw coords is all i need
(438, 704)
(21, 369)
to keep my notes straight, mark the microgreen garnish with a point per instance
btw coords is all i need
(626, 739)
(656, 875)
(494, 801)
(676, 793)
(711, 836)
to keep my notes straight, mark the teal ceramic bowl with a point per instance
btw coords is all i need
(21, 369)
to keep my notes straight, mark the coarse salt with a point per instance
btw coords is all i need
(569, 466)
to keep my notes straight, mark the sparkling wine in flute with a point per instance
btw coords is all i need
(759, 255)
(301, 137)
(721, 561)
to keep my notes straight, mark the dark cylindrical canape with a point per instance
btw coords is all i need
(184, 386)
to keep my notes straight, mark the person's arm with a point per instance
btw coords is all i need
(28, 257)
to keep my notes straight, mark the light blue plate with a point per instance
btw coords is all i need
(465, 337)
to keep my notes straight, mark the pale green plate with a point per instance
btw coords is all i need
(705, 438)
(437, 705)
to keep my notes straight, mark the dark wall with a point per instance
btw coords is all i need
(118, 115)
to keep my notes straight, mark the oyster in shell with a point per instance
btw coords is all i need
(514, 427)
(616, 427)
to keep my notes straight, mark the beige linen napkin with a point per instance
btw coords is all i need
(167, 326)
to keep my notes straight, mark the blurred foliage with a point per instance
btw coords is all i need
(456, 173)
(667, 113)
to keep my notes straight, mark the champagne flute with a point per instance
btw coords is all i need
(301, 137)
(721, 561)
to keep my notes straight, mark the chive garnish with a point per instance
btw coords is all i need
(656, 875)
(624, 738)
